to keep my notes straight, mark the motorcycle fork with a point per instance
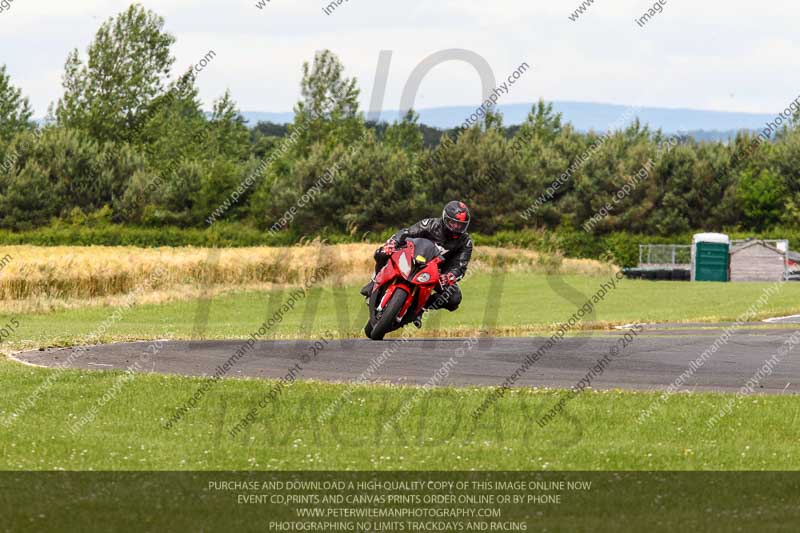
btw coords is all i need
(409, 302)
(380, 304)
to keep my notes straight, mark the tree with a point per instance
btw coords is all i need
(493, 120)
(762, 197)
(128, 63)
(269, 129)
(15, 111)
(406, 134)
(175, 137)
(542, 122)
(174, 128)
(329, 107)
(230, 137)
(60, 170)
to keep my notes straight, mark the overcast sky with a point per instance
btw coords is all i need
(731, 55)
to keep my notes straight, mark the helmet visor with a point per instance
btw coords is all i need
(454, 225)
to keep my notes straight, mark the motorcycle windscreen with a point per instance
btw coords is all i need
(424, 250)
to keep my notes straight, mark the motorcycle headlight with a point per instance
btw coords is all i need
(424, 277)
(404, 265)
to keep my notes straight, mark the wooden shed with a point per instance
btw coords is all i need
(757, 260)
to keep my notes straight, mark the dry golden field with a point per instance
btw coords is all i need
(48, 278)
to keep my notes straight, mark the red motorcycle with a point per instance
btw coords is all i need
(403, 287)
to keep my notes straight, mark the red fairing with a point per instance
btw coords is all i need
(387, 273)
(392, 273)
(425, 289)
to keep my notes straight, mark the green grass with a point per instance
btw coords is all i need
(519, 304)
(599, 430)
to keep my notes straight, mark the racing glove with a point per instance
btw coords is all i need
(390, 247)
(448, 280)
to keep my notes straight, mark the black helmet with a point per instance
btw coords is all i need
(455, 217)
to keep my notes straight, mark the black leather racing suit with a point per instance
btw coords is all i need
(457, 255)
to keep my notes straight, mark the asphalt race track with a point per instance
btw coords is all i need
(654, 359)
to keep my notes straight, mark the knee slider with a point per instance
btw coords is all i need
(455, 299)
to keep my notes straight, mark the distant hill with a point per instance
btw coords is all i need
(254, 117)
(708, 125)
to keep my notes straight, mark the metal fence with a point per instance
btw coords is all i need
(679, 255)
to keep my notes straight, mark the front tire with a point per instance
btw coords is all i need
(388, 320)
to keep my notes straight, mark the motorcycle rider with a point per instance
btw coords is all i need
(449, 232)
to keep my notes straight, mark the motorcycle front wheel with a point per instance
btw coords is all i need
(387, 321)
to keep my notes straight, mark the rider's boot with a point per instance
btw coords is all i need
(418, 319)
(366, 290)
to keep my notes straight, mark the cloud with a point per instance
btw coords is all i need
(726, 55)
